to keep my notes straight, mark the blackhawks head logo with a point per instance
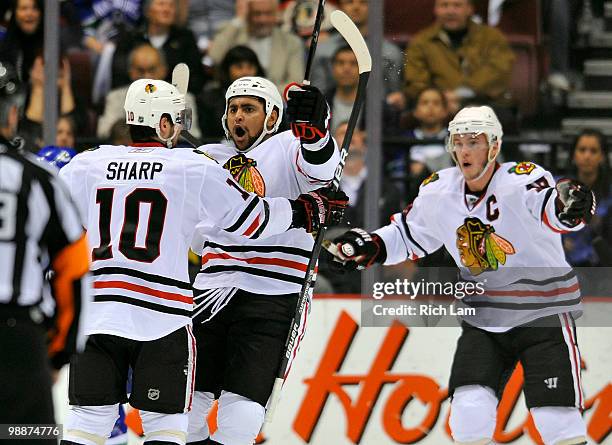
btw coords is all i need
(480, 248)
(522, 168)
(243, 170)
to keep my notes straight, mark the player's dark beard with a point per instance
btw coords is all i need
(252, 140)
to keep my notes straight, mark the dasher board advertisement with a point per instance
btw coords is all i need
(384, 386)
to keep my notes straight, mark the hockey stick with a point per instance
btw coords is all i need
(351, 34)
(314, 40)
(180, 79)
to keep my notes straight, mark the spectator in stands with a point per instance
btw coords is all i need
(342, 94)
(343, 91)
(24, 36)
(145, 62)
(205, 18)
(431, 114)
(176, 44)
(455, 53)
(281, 53)
(589, 164)
(299, 17)
(358, 11)
(65, 132)
(240, 61)
(30, 127)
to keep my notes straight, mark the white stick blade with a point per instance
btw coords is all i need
(180, 77)
(353, 37)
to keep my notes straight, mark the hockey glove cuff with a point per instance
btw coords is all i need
(575, 202)
(317, 208)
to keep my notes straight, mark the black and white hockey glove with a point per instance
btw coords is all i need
(308, 113)
(575, 202)
(357, 249)
(317, 208)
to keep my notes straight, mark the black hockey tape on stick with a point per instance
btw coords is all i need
(314, 40)
(345, 26)
(190, 139)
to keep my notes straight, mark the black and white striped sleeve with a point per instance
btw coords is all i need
(230, 207)
(411, 234)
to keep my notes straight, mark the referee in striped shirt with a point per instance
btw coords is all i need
(39, 228)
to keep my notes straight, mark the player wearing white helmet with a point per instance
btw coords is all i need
(141, 204)
(501, 223)
(247, 290)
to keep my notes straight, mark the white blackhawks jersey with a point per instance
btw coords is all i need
(508, 240)
(275, 265)
(141, 205)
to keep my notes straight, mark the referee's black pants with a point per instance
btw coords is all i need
(25, 376)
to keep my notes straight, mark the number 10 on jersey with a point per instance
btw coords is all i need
(130, 207)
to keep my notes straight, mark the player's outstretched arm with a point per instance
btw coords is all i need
(411, 235)
(242, 213)
(309, 117)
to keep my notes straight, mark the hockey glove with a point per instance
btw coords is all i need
(358, 249)
(308, 112)
(575, 203)
(317, 208)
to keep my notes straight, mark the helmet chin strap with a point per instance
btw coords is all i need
(264, 133)
(168, 141)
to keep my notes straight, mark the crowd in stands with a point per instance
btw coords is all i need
(452, 62)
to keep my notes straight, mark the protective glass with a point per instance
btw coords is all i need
(185, 118)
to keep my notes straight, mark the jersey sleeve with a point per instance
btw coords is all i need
(539, 196)
(69, 174)
(314, 164)
(410, 235)
(225, 203)
(69, 253)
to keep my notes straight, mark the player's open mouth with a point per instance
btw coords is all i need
(239, 132)
(466, 164)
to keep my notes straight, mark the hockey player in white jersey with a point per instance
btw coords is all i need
(501, 223)
(141, 204)
(247, 289)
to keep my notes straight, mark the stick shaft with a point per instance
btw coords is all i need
(314, 40)
(314, 257)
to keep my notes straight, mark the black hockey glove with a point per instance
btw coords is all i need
(320, 207)
(575, 202)
(308, 112)
(358, 249)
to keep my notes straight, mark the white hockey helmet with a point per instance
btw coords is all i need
(476, 120)
(148, 99)
(257, 87)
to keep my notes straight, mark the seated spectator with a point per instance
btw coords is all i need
(358, 11)
(30, 128)
(176, 44)
(205, 19)
(102, 21)
(299, 17)
(145, 62)
(431, 114)
(240, 61)
(341, 96)
(589, 165)
(65, 132)
(457, 54)
(24, 36)
(281, 53)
